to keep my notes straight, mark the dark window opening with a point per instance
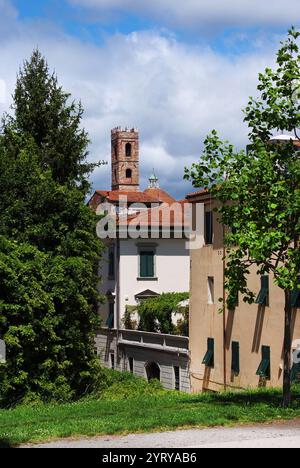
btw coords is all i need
(209, 358)
(128, 173)
(208, 228)
(128, 150)
(153, 371)
(177, 378)
(211, 290)
(112, 361)
(235, 363)
(264, 369)
(264, 293)
(131, 365)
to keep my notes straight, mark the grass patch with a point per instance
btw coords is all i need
(131, 405)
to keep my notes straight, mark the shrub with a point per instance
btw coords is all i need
(156, 313)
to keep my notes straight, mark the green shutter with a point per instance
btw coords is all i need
(235, 364)
(264, 369)
(147, 264)
(209, 358)
(143, 265)
(263, 296)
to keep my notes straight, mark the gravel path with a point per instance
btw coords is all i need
(283, 435)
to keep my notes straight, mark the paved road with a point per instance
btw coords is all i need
(285, 435)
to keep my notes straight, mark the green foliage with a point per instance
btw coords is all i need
(142, 413)
(49, 250)
(123, 385)
(182, 326)
(156, 313)
(44, 112)
(258, 191)
(129, 323)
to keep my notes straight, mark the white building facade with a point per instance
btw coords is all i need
(155, 261)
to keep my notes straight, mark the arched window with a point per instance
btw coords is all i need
(128, 173)
(152, 371)
(128, 150)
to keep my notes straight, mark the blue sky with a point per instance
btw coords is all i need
(174, 69)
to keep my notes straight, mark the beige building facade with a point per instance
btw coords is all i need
(237, 349)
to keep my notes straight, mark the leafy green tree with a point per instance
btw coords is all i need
(156, 313)
(258, 191)
(48, 232)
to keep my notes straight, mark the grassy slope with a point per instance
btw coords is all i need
(126, 408)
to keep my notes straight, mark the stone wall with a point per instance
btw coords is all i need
(144, 349)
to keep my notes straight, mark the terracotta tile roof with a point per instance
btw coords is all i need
(151, 195)
(201, 192)
(159, 217)
(160, 195)
(132, 197)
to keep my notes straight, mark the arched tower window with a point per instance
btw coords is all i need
(128, 150)
(128, 173)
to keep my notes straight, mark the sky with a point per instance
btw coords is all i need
(173, 69)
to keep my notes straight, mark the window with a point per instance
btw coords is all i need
(152, 371)
(111, 262)
(111, 315)
(131, 364)
(296, 296)
(209, 358)
(208, 227)
(235, 362)
(112, 360)
(147, 264)
(263, 296)
(128, 150)
(211, 289)
(264, 369)
(128, 173)
(177, 378)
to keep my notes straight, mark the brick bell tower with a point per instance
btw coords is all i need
(125, 159)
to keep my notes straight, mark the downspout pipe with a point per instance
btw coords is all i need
(118, 305)
(224, 314)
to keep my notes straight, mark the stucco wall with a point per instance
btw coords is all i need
(252, 326)
(172, 271)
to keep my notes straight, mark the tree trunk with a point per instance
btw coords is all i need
(287, 348)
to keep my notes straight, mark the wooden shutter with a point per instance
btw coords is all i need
(235, 364)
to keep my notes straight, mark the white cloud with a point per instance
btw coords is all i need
(203, 13)
(174, 93)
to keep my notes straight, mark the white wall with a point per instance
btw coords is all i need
(172, 269)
